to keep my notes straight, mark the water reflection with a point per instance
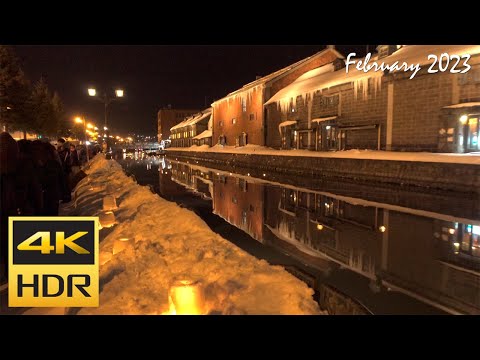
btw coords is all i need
(360, 255)
(428, 256)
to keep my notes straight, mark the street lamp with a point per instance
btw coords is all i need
(106, 99)
(80, 120)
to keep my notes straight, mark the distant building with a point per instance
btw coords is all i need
(195, 129)
(168, 117)
(239, 117)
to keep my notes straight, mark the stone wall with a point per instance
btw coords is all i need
(452, 177)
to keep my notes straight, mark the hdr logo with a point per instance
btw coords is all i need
(53, 262)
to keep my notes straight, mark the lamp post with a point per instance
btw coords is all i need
(106, 99)
(80, 120)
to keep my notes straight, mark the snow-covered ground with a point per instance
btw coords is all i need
(473, 158)
(170, 243)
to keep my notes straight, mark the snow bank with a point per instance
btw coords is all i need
(473, 158)
(169, 243)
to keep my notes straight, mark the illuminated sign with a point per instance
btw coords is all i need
(53, 262)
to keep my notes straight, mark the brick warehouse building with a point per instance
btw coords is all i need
(168, 117)
(239, 117)
(328, 109)
(193, 129)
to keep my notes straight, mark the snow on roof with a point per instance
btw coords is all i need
(193, 119)
(205, 134)
(277, 73)
(463, 105)
(317, 79)
(324, 119)
(324, 79)
(286, 123)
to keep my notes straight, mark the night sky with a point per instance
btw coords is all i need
(154, 76)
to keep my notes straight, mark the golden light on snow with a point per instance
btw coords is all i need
(109, 203)
(187, 298)
(463, 119)
(121, 244)
(105, 257)
(382, 228)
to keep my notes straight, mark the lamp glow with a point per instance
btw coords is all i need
(107, 219)
(382, 229)
(121, 245)
(78, 120)
(187, 298)
(119, 93)
(463, 119)
(92, 92)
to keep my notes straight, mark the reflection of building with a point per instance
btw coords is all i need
(324, 226)
(433, 259)
(195, 178)
(443, 260)
(195, 129)
(428, 256)
(168, 117)
(240, 202)
(239, 117)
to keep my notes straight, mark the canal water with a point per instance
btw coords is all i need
(374, 254)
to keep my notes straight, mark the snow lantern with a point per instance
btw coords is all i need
(109, 203)
(187, 297)
(122, 244)
(107, 219)
(105, 257)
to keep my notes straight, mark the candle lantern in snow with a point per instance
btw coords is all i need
(109, 203)
(187, 296)
(122, 244)
(107, 219)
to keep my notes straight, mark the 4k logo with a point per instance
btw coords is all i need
(53, 262)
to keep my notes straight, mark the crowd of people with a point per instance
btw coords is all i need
(35, 177)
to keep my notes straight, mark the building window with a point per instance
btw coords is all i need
(244, 217)
(251, 117)
(292, 105)
(234, 199)
(331, 100)
(244, 105)
(234, 121)
(220, 123)
(242, 184)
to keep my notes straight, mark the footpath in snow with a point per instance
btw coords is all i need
(473, 159)
(167, 243)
